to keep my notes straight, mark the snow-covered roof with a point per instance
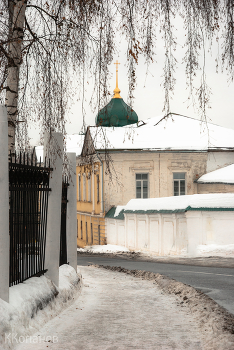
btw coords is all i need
(175, 132)
(74, 143)
(212, 201)
(222, 175)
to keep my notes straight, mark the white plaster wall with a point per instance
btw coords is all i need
(121, 233)
(4, 206)
(154, 234)
(218, 160)
(172, 234)
(142, 241)
(112, 230)
(130, 226)
(218, 228)
(168, 233)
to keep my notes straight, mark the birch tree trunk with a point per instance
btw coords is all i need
(17, 19)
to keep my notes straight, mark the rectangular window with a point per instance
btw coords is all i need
(86, 229)
(81, 232)
(77, 227)
(99, 235)
(179, 184)
(91, 233)
(98, 194)
(84, 187)
(142, 186)
(79, 188)
(89, 188)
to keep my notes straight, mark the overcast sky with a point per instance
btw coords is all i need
(149, 94)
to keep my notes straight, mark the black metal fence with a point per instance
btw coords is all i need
(29, 188)
(63, 231)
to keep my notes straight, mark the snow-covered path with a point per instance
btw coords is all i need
(117, 311)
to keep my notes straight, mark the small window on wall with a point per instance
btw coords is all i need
(79, 188)
(98, 189)
(89, 188)
(81, 231)
(91, 233)
(142, 186)
(84, 187)
(179, 184)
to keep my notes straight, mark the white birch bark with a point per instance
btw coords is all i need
(14, 61)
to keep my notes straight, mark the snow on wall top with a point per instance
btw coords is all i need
(174, 133)
(74, 143)
(223, 175)
(213, 200)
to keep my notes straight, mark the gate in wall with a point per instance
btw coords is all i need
(28, 204)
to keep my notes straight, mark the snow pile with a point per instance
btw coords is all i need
(216, 324)
(108, 248)
(33, 303)
(223, 175)
(211, 200)
(218, 250)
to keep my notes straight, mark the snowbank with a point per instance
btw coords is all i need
(33, 303)
(223, 175)
(108, 248)
(215, 249)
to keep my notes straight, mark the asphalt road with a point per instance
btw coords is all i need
(217, 282)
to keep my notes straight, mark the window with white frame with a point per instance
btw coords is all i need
(89, 188)
(179, 184)
(84, 187)
(142, 185)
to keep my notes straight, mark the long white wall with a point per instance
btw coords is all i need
(172, 234)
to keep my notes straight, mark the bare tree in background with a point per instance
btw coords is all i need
(45, 43)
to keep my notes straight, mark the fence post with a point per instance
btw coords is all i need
(53, 149)
(72, 213)
(4, 206)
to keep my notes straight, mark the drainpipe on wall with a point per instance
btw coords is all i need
(102, 196)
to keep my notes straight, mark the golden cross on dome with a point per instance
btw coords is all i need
(117, 63)
(117, 90)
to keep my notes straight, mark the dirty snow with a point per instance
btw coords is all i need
(115, 311)
(205, 250)
(34, 302)
(108, 248)
(223, 175)
(211, 200)
(218, 250)
(215, 324)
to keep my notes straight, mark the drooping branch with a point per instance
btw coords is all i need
(44, 45)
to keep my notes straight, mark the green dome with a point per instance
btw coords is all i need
(116, 113)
